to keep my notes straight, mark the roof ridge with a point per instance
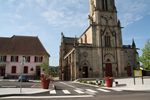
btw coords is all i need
(24, 36)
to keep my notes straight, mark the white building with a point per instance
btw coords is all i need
(12, 51)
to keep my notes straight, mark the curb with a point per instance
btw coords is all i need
(25, 93)
(86, 84)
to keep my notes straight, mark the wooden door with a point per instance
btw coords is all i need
(108, 70)
(85, 72)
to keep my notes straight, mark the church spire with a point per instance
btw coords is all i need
(133, 44)
(62, 36)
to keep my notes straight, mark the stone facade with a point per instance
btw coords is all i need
(99, 51)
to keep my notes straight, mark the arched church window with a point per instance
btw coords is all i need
(81, 40)
(107, 41)
(85, 38)
(104, 5)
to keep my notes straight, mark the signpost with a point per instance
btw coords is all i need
(138, 73)
(21, 72)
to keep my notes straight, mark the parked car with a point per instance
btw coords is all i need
(23, 78)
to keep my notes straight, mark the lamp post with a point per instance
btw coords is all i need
(21, 72)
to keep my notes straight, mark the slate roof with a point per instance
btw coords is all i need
(22, 45)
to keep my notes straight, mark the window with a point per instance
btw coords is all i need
(3, 58)
(85, 38)
(104, 5)
(13, 69)
(38, 59)
(25, 69)
(14, 58)
(107, 41)
(27, 58)
(81, 40)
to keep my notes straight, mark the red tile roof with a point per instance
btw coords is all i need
(22, 45)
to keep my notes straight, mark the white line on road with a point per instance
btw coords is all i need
(91, 90)
(52, 91)
(103, 90)
(8, 86)
(66, 91)
(46, 97)
(79, 91)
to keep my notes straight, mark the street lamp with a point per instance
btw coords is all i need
(21, 72)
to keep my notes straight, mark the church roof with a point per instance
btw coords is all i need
(127, 47)
(69, 40)
(22, 45)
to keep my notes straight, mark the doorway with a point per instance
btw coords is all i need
(38, 71)
(108, 70)
(85, 72)
(2, 71)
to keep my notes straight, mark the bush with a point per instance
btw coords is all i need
(93, 83)
(84, 81)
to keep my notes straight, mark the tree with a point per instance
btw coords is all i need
(145, 58)
(45, 68)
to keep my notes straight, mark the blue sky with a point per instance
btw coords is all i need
(48, 18)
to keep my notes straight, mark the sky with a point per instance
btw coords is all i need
(48, 18)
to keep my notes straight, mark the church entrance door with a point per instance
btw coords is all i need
(108, 70)
(85, 72)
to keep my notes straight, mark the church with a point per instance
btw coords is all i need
(98, 52)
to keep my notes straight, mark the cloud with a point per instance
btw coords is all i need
(57, 18)
(17, 16)
(131, 11)
(65, 14)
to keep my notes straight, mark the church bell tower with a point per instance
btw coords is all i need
(107, 34)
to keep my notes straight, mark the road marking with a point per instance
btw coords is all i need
(34, 85)
(91, 90)
(103, 90)
(46, 97)
(52, 91)
(67, 84)
(79, 91)
(118, 90)
(8, 86)
(66, 91)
